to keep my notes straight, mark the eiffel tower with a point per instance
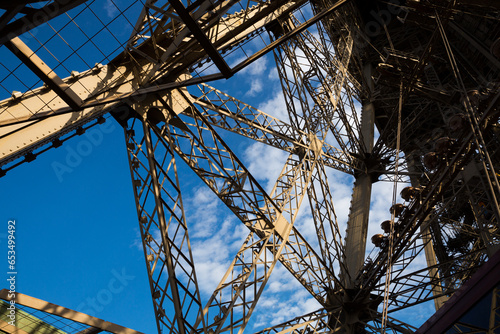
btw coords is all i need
(399, 91)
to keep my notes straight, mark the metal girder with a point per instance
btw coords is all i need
(419, 209)
(480, 202)
(181, 45)
(430, 254)
(290, 34)
(34, 63)
(412, 287)
(385, 142)
(357, 223)
(325, 219)
(450, 271)
(41, 116)
(314, 103)
(167, 250)
(313, 97)
(227, 33)
(406, 248)
(319, 321)
(35, 18)
(10, 14)
(226, 112)
(477, 45)
(273, 234)
(297, 256)
(287, 194)
(201, 37)
(209, 157)
(393, 326)
(223, 33)
(493, 184)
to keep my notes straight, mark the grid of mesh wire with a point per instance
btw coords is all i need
(94, 32)
(32, 320)
(99, 30)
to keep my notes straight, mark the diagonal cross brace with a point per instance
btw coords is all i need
(202, 38)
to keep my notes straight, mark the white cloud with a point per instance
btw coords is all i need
(273, 74)
(256, 68)
(137, 242)
(276, 107)
(111, 8)
(255, 87)
(209, 274)
(216, 236)
(265, 163)
(283, 299)
(202, 217)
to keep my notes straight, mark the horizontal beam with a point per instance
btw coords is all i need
(45, 73)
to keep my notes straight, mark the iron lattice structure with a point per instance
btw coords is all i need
(424, 74)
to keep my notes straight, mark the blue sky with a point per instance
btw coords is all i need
(77, 232)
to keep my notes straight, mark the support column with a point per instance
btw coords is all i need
(164, 233)
(357, 224)
(163, 228)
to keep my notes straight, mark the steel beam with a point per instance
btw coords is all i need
(226, 112)
(430, 254)
(202, 38)
(36, 18)
(40, 68)
(209, 157)
(9, 14)
(164, 232)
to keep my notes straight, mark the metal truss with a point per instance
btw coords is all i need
(205, 152)
(163, 228)
(266, 216)
(316, 322)
(228, 113)
(410, 103)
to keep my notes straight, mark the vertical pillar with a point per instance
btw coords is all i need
(163, 226)
(357, 224)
